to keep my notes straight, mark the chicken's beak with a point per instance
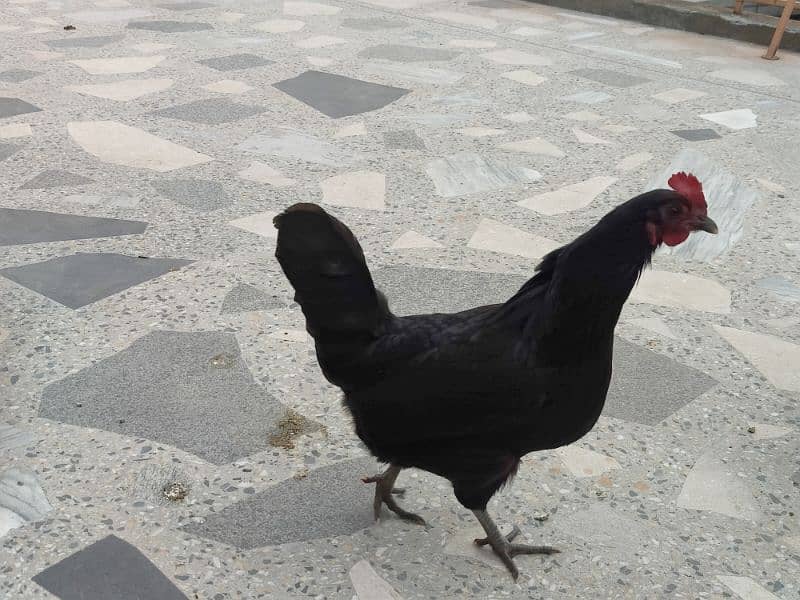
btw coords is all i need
(705, 223)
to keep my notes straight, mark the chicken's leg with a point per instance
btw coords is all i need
(503, 546)
(384, 488)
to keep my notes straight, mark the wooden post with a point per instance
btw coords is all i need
(737, 8)
(788, 8)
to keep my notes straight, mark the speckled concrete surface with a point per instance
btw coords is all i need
(460, 141)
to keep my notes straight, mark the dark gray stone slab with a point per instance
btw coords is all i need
(11, 107)
(170, 26)
(338, 96)
(18, 75)
(697, 135)
(181, 6)
(329, 502)
(198, 194)
(246, 298)
(83, 278)
(55, 178)
(646, 387)
(110, 568)
(189, 390)
(372, 24)
(19, 226)
(611, 78)
(213, 111)
(235, 62)
(97, 41)
(403, 140)
(401, 53)
(7, 150)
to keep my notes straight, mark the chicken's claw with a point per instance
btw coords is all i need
(384, 488)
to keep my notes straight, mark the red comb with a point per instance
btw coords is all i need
(688, 186)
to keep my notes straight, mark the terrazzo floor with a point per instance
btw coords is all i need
(165, 431)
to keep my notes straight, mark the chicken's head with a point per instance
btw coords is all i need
(679, 213)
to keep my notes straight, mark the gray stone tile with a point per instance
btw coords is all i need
(181, 6)
(609, 77)
(18, 75)
(330, 501)
(170, 26)
(403, 140)
(7, 150)
(11, 107)
(289, 143)
(469, 173)
(191, 390)
(402, 53)
(780, 287)
(18, 226)
(339, 96)
(198, 194)
(97, 41)
(213, 111)
(246, 298)
(55, 178)
(83, 278)
(109, 568)
(235, 62)
(696, 135)
(646, 387)
(372, 24)
(22, 499)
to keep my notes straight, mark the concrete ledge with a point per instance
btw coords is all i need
(698, 18)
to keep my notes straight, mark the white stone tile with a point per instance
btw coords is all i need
(150, 47)
(570, 197)
(121, 65)
(756, 77)
(637, 30)
(589, 19)
(472, 43)
(227, 86)
(279, 25)
(733, 119)
(127, 146)
(680, 290)
(634, 161)
(260, 224)
(614, 128)
(230, 17)
(359, 189)
(582, 462)
(494, 236)
(15, 130)
(728, 198)
(369, 585)
(585, 116)
(352, 130)
(462, 543)
(585, 35)
(469, 173)
(479, 132)
(399, 4)
(22, 499)
(766, 431)
(777, 359)
(587, 138)
(524, 76)
(412, 239)
(746, 588)
(308, 9)
(262, 173)
(121, 200)
(589, 97)
(655, 325)
(416, 73)
(771, 186)
(45, 55)
(320, 61)
(108, 16)
(676, 95)
(519, 117)
(517, 58)
(45, 21)
(710, 486)
(635, 56)
(531, 32)
(11, 437)
(463, 19)
(293, 144)
(320, 41)
(522, 14)
(125, 90)
(534, 146)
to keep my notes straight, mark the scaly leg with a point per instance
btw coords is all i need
(384, 488)
(503, 546)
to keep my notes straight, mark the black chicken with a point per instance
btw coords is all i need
(467, 395)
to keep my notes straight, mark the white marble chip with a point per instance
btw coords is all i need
(517, 58)
(260, 224)
(22, 499)
(570, 197)
(589, 97)
(369, 585)
(585, 116)
(472, 43)
(152, 47)
(519, 117)
(116, 66)
(531, 32)
(125, 90)
(771, 186)
(743, 118)
(320, 41)
(767, 431)
(634, 161)
(416, 73)
(777, 359)
(756, 77)
(636, 56)
(534, 146)
(711, 486)
(11, 437)
(15, 130)
(676, 95)
(227, 86)
(524, 76)
(681, 290)
(463, 19)
(655, 325)
(494, 236)
(479, 132)
(585, 137)
(358, 189)
(307, 9)
(746, 588)
(582, 462)
(279, 25)
(412, 239)
(128, 146)
(469, 173)
(262, 173)
(352, 130)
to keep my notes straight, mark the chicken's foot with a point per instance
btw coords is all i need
(503, 546)
(384, 488)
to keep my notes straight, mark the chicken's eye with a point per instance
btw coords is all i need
(674, 210)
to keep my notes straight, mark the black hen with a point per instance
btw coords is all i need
(466, 395)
